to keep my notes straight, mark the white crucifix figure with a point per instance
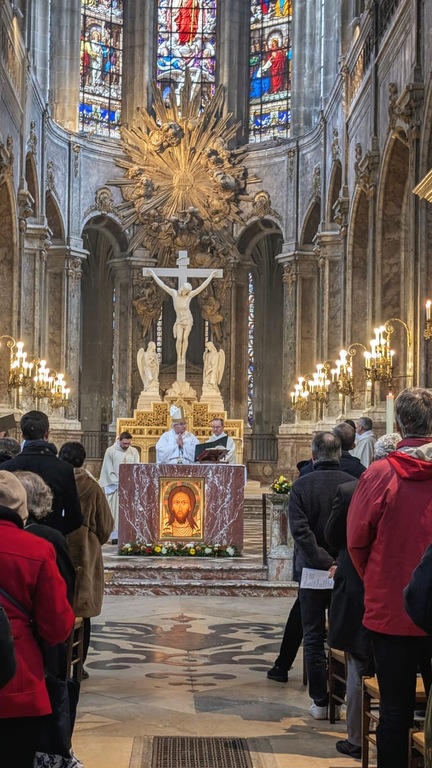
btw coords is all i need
(181, 299)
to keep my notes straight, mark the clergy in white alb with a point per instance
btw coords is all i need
(218, 432)
(177, 446)
(122, 452)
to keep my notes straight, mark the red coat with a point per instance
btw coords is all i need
(389, 528)
(28, 571)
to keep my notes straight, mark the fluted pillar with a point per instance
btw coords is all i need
(139, 52)
(73, 274)
(65, 62)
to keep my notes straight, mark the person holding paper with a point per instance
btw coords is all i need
(310, 504)
(218, 431)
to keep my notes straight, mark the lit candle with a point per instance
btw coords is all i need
(389, 413)
(428, 310)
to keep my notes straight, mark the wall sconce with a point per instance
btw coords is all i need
(300, 396)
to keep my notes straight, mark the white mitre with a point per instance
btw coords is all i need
(177, 413)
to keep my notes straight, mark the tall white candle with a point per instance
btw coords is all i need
(389, 413)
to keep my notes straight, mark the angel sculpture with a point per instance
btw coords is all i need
(214, 364)
(148, 366)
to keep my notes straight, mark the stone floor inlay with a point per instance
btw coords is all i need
(196, 667)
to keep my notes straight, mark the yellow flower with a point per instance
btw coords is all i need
(192, 551)
(158, 549)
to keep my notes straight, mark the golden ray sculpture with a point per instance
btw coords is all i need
(182, 187)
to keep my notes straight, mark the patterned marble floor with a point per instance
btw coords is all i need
(196, 667)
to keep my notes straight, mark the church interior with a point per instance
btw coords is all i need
(279, 151)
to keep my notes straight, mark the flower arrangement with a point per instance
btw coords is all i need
(281, 485)
(177, 549)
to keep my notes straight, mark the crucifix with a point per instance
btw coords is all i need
(181, 299)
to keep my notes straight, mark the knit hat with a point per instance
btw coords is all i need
(12, 494)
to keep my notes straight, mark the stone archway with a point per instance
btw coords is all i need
(101, 304)
(259, 245)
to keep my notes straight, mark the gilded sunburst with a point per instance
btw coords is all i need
(182, 186)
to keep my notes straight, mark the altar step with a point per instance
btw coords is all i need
(142, 576)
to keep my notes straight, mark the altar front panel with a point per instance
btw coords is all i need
(219, 493)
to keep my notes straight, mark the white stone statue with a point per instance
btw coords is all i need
(148, 366)
(184, 320)
(214, 364)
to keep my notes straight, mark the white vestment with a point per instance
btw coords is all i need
(109, 476)
(230, 457)
(364, 449)
(168, 451)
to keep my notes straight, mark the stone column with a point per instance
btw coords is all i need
(71, 355)
(35, 241)
(233, 59)
(65, 62)
(330, 251)
(122, 351)
(300, 319)
(139, 51)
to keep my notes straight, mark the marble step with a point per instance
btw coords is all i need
(236, 588)
(165, 570)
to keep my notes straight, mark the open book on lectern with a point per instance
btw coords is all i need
(214, 450)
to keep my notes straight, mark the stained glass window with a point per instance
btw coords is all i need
(251, 321)
(101, 66)
(270, 69)
(187, 40)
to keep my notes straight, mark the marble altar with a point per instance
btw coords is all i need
(144, 491)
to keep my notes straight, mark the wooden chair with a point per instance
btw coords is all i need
(76, 650)
(417, 752)
(370, 712)
(337, 672)
(75, 643)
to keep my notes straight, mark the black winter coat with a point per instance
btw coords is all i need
(39, 456)
(310, 504)
(346, 631)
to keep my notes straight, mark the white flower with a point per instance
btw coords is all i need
(163, 550)
(190, 545)
(207, 550)
(230, 551)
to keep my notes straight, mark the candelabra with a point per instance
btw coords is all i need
(379, 361)
(59, 394)
(20, 370)
(300, 395)
(342, 375)
(319, 384)
(42, 381)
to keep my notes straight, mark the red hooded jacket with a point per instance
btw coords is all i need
(389, 528)
(29, 573)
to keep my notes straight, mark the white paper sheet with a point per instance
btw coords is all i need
(312, 578)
